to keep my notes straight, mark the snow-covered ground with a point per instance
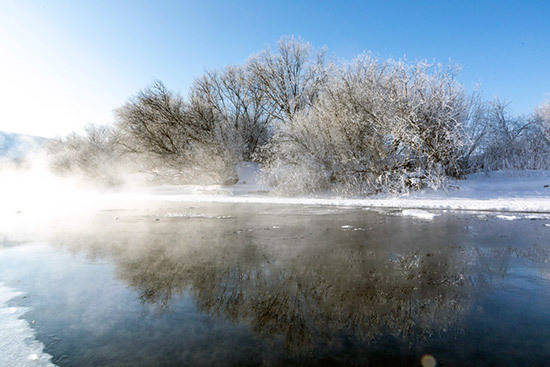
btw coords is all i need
(506, 191)
(39, 194)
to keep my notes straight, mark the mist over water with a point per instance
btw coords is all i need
(228, 284)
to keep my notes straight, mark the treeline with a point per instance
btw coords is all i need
(313, 124)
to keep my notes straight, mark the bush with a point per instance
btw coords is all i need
(290, 78)
(179, 141)
(236, 106)
(377, 126)
(94, 155)
(512, 142)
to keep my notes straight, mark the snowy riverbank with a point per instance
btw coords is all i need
(504, 191)
(42, 195)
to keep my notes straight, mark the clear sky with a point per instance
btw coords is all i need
(64, 64)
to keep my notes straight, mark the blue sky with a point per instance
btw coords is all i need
(65, 64)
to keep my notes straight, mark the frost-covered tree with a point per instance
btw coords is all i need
(476, 130)
(229, 115)
(291, 77)
(231, 100)
(543, 116)
(377, 126)
(178, 139)
(512, 142)
(93, 155)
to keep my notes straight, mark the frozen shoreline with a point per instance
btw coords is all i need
(43, 195)
(18, 345)
(506, 191)
(495, 205)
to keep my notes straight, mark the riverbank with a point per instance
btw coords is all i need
(503, 191)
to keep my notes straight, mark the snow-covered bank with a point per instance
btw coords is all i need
(18, 346)
(501, 205)
(40, 195)
(509, 191)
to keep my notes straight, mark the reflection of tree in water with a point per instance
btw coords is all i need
(313, 294)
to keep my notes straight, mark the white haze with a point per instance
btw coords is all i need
(32, 197)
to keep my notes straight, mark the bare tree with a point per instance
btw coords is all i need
(176, 135)
(159, 122)
(236, 105)
(291, 78)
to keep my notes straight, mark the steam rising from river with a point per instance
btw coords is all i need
(35, 193)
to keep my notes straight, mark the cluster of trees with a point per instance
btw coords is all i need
(505, 141)
(359, 127)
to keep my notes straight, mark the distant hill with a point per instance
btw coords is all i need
(13, 146)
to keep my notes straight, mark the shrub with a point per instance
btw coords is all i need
(377, 126)
(234, 104)
(291, 78)
(180, 141)
(512, 142)
(93, 155)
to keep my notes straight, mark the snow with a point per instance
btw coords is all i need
(18, 346)
(248, 184)
(199, 216)
(417, 213)
(508, 185)
(508, 217)
(352, 228)
(503, 191)
(40, 196)
(537, 216)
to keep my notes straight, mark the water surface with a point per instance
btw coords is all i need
(255, 285)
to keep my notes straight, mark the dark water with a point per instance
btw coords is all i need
(238, 285)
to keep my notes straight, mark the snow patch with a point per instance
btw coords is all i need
(352, 228)
(503, 191)
(191, 216)
(537, 216)
(507, 217)
(18, 346)
(417, 213)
